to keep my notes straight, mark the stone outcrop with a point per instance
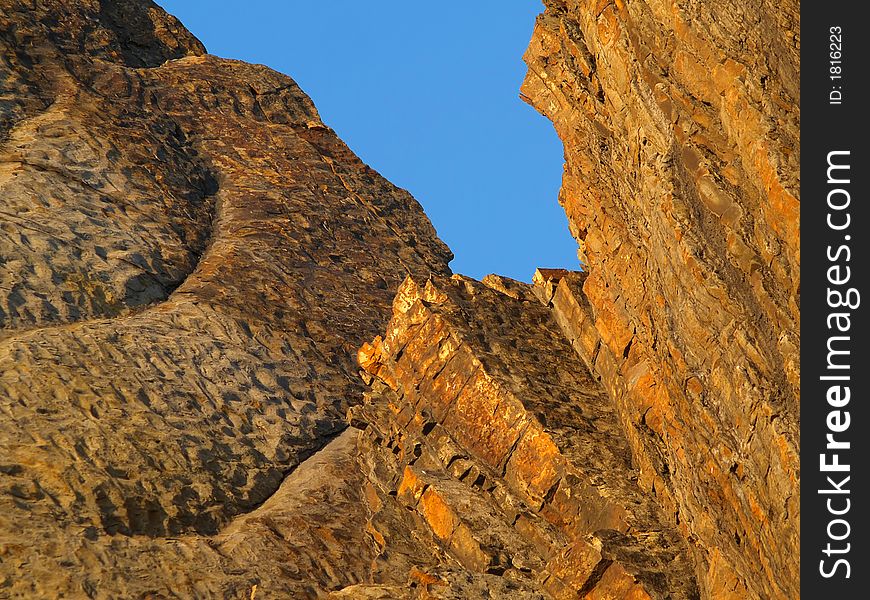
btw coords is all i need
(234, 362)
(680, 122)
(189, 260)
(485, 422)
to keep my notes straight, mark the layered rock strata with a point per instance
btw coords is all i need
(680, 122)
(190, 260)
(485, 423)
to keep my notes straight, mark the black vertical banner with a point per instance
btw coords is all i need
(835, 371)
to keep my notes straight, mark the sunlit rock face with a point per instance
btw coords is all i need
(234, 362)
(680, 122)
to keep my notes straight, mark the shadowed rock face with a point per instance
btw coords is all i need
(190, 260)
(681, 129)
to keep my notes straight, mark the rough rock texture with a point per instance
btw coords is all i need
(680, 122)
(190, 262)
(494, 432)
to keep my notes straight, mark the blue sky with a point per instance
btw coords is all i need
(428, 95)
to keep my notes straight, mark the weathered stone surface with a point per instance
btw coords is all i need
(190, 260)
(493, 431)
(680, 122)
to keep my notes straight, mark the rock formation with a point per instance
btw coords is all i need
(194, 268)
(681, 130)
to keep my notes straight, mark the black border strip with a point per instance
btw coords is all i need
(835, 109)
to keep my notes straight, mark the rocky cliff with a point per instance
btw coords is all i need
(194, 269)
(681, 129)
